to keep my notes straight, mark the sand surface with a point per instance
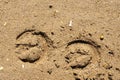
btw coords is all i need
(59, 39)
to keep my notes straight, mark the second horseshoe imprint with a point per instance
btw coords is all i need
(81, 53)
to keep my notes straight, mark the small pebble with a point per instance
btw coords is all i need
(55, 12)
(7, 59)
(101, 37)
(5, 23)
(23, 66)
(1, 68)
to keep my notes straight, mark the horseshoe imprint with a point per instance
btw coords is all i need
(81, 54)
(31, 45)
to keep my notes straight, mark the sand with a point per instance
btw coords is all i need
(59, 40)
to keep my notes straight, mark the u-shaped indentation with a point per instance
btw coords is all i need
(81, 53)
(31, 45)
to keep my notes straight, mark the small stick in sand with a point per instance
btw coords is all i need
(70, 23)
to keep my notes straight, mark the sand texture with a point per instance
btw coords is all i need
(59, 39)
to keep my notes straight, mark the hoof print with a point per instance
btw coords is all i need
(81, 53)
(31, 45)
